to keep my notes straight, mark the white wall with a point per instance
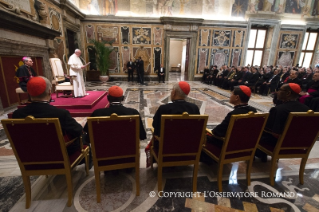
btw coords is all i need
(176, 50)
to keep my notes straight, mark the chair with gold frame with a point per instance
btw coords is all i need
(239, 144)
(300, 134)
(58, 75)
(114, 149)
(40, 149)
(180, 143)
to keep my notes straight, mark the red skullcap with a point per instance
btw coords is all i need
(185, 87)
(24, 58)
(115, 91)
(295, 87)
(36, 86)
(246, 90)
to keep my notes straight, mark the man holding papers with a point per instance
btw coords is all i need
(76, 73)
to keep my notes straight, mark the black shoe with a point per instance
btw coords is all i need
(52, 100)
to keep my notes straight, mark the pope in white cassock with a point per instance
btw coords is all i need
(76, 73)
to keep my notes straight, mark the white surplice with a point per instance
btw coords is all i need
(76, 70)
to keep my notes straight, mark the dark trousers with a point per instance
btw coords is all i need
(225, 84)
(314, 104)
(263, 90)
(161, 77)
(141, 74)
(130, 75)
(214, 141)
(232, 84)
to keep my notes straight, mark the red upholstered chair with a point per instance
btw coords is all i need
(40, 149)
(115, 142)
(300, 134)
(239, 144)
(180, 143)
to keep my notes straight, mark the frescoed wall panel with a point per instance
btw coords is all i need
(115, 60)
(90, 33)
(236, 57)
(158, 33)
(288, 45)
(219, 57)
(126, 56)
(157, 58)
(130, 41)
(105, 33)
(145, 54)
(142, 35)
(204, 37)
(285, 58)
(125, 35)
(225, 46)
(221, 38)
(239, 37)
(202, 59)
(289, 41)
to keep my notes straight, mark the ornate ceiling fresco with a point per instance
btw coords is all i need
(207, 9)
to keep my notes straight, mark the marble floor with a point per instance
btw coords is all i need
(118, 189)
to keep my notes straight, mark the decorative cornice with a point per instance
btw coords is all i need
(121, 19)
(69, 7)
(20, 24)
(72, 26)
(179, 21)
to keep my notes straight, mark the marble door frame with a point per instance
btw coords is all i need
(192, 49)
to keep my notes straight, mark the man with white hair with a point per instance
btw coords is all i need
(25, 73)
(76, 73)
(178, 106)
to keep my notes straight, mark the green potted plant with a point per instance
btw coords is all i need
(102, 51)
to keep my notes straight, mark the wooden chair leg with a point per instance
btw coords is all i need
(19, 99)
(302, 170)
(273, 170)
(86, 163)
(137, 179)
(220, 177)
(27, 188)
(97, 184)
(151, 159)
(57, 93)
(70, 187)
(159, 177)
(195, 172)
(248, 169)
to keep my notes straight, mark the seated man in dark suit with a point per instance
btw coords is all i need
(288, 95)
(115, 97)
(246, 76)
(235, 80)
(254, 77)
(293, 78)
(239, 98)
(272, 83)
(39, 88)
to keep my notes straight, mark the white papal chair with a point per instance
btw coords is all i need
(58, 76)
